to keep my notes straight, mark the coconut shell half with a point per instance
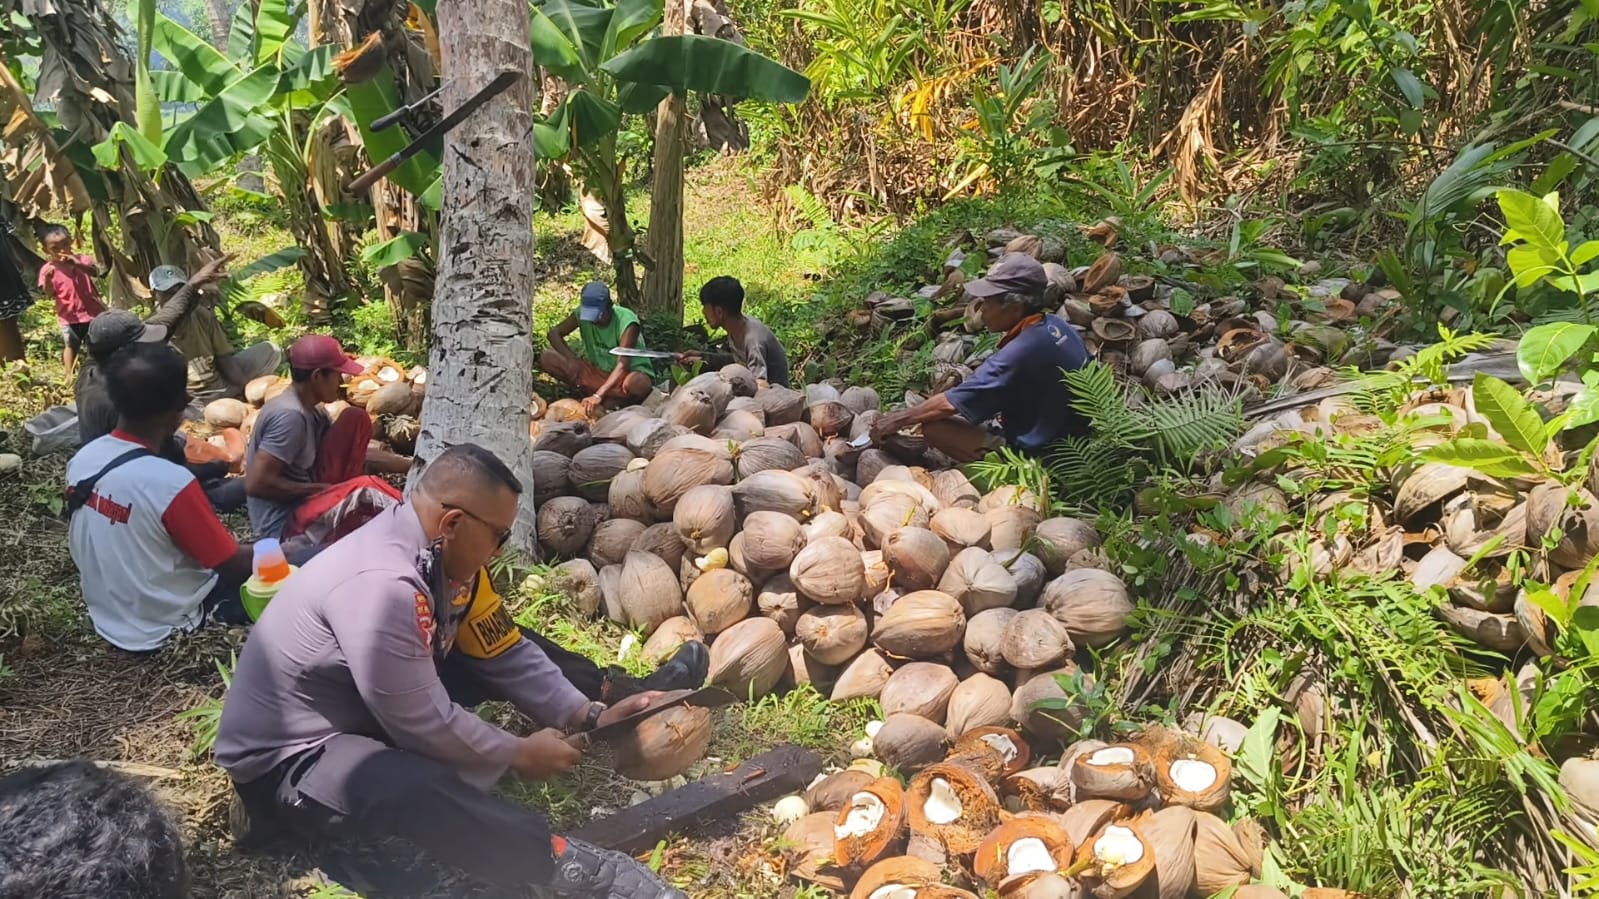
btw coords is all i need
(871, 824)
(1023, 846)
(897, 877)
(953, 805)
(1008, 744)
(1116, 861)
(1121, 771)
(1193, 773)
(808, 847)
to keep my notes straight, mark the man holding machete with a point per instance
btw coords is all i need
(602, 326)
(347, 713)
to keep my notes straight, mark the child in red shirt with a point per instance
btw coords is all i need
(68, 280)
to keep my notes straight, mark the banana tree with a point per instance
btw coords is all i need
(615, 64)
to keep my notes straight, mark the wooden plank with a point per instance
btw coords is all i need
(786, 769)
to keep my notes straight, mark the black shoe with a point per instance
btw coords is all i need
(685, 670)
(585, 870)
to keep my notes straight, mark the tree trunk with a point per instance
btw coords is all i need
(216, 13)
(663, 251)
(480, 370)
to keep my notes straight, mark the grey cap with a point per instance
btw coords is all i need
(113, 330)
(167, 277)
(1011, 273)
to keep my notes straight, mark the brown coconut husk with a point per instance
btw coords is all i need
(871, 824)
(1089, 816)
(671, 635)
(829, 570)
(720, 599)
(919, 688)
(865, 676)
(1023, 846)
(1007, 743)
(1121, 771)
(984, 640)
(1170, 832)
(978, 701)
(648, 591)
(1258, 891)
(665, 745)
(1188, 761)
(1220, 860)
(1036, 639)
(749, 658)
(808, 847)
(920, 625)
(909, 742)
(959, 826)
(901, 873)
(833, 792)
(832, 634)
(1108, 869)
(1042, 789)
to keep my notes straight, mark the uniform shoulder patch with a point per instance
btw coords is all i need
(424, 619)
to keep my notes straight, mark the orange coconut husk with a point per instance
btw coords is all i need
(1115, 862)
(981, 758)
(1193, 773)
(871, 824)
(1043, 789)
(1012, 749)
(1118, 771)
(1023, 846)
(902, 872)
(964, 807)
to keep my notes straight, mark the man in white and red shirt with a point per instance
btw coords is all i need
(153, 557)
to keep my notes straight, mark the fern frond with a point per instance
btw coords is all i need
(1186, 426)
(1090, 472)
(1097, 395)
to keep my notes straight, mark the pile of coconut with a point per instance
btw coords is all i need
(976, 817)
(389, 392)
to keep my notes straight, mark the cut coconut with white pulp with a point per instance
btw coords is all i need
(942, 806)
(1002, 745)
(1193, 775)
(865, 813)
(1028, 855)
(1118, 846)
(893, 891)
(872, 727)
(1111, 755)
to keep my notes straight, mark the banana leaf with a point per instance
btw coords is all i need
(569, 37)
(590, 117)
(274, 23)
(395, 250)
(641, 98)
(241, 35)
(200, 63)
(312, 74)
(368, 101)
(630, 20)
(229, 124)
(708, 65)
(108, 153)
(146, 106)
(551, 138)
(172, 86)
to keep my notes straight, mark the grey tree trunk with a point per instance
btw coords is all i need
(480, 368)
(663, 279)
(221, 21)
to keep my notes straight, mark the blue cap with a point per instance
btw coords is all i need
(595, 302)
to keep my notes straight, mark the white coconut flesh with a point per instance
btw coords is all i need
(893, 891)
(1118, 846)
(865, 813)
(872, 727)
(1003, 745)
(1193, 775)
(637, 464)
(1028, 855)
(942, 805)
(1112, 755)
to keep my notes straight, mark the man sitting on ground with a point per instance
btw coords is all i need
(1020, 384)
(754, 345)
(152, 556)
(602, 326)
(305, 474)
(346, 712)
(216, 370)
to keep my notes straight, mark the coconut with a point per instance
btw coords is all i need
(1220, 860)
(1047, 723)
(952, 804)
(669, 637)
(778, 600)
(954, 490)
(832, 634)
(833, 791)
(1010, 496)
(917, 557)
(781, 404)
(802, 436)
(593, 468)
(749, 658)
(905, 484)
(920, 688)
(627, 499)
(1116, 861)
(999, 750)
(1035, 639)
(1259, 891)
(392, 399)
(705, 518)
(740, 381)
(878, 573)
(977, 582)
(1022, 847)
(776, 491)
(1170, 832)
(649, 591)
(719, 599)
(827, 487)
(1058, 539)
(870, 824)
(1192, 773)
(978, 701)
(766, 454)
(898, 878)
(676, 470)
(1011, 527)
(829, 571)
(1042, 789)
(827, 524)
(550, 476)
(908, 742)
(739, 426)
(693, 406)
(230, 413)
(646, 437)
(565, 525)
(920, 625)
(1027, 571)
(612, 540)
(808, 848)
(613, 427)
(1093, 605)
(579, 581)
(869, 463)
(401, 432)
(860, 399)
(984, 640)
(567, 410)
(865, 676)
(1223, 733)
(255, 391)
(887, 514)
(610, 580)
(1088, 817)
(830, 419)
(665, 744)
(564, 437)
(1574, 512)
(1120, 771)
(662, 540)
(1499, 632)
(960, 528)
(1426, 486)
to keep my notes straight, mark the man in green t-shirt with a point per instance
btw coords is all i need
(602, 326)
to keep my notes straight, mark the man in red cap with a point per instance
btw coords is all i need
(307, 476)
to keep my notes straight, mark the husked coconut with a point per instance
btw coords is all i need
(593, 468)
(888, 514)
(869, 463)
(612, 541)
(719, 599)
(649, 591)
(771, 540)
(1047, 724)
(920, 625)
(865, 676)
(906, 484)
(954, 490)
(691, 407)
(565, 524)
(1010, 496)
(1093, 605)
(829, 418)
(984, 640)
(610, 579)
(860, 399)
(909, 742)
(778, 600)
(747, 404)
(801, 435)
(829, 571)
(919, 688)
(1035, 639)
(1011, 527)
(827, 524)
(822, 393)
(827, 487)
(705, 518)
(832, 634)
(579, 581)
(661, 540)
(646, 437)
(977, 582)
(230, 413)
(627, 499)
(676, 470)
(1056, 540)
(960, 528)
(782, 405)
(564, 437)
(878, 574)
(775, 491)
(665, 744)
(669, 637)
(739, 426)
(977, 701)
(766, 454)
(739, 380)
(550, 476)
(613, 427)
(916, 556)
(1027, 571)
(749, 658)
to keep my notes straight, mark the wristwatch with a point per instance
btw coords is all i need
(591, 719)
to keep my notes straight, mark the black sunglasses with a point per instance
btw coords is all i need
(501, 536)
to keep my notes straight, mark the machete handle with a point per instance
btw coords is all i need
(372, 175)
(387, 119)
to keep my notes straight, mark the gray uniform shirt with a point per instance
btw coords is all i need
(291, 433)
(760, 352)
(349, 645)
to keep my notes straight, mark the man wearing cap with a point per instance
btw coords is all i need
(602, 327)
(1021, 385)
(306, 474)
(216, 371)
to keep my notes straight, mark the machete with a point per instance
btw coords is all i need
(489, 91)
(641, 354)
